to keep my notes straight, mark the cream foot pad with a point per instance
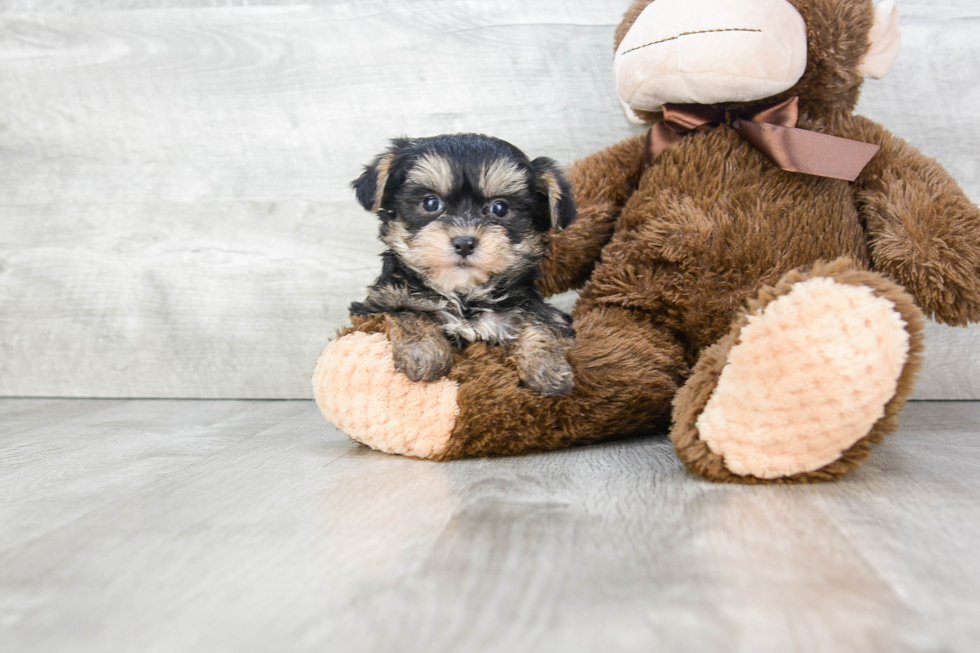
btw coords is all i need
(809, 377)
(357, 388)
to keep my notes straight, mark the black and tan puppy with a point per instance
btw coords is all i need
(465, 219)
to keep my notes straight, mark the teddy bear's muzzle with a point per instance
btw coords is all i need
(710, 51)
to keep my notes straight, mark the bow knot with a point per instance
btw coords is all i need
(772, 131)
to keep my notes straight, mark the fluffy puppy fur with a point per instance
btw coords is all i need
(465, 219)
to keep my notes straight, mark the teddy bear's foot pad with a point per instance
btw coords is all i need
(807, 378)
(358, 389)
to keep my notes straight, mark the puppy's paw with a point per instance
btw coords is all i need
(547, 372)
(427, 359)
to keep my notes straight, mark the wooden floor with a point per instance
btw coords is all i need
(255, 526)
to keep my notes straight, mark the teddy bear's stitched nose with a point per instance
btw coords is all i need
(464, 245)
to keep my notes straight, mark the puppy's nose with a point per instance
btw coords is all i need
(464, 245)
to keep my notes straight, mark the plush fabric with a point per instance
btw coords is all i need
(709, 274)
(355, 381)
(701, 385)
(886, 40)
(809, 377)
(710, 51)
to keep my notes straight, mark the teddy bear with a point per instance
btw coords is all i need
(753, 271)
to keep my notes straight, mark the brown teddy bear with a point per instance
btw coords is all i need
(752, 269)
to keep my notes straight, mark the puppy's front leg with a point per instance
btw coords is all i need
(541, 362)
(419, 348)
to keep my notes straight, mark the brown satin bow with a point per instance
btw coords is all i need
(773, 132)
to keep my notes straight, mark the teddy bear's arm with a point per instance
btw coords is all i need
(602, 182)
(923, 231)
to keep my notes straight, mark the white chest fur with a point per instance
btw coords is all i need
(490, 326)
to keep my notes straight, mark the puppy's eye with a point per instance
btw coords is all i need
(499, 209)
(432, 204)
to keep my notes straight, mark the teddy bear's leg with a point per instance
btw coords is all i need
(813, 374)
(626, 375)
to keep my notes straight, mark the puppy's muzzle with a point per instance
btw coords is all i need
(464, 245)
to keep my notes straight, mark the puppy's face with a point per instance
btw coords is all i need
(461, 210)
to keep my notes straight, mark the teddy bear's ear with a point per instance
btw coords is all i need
(632, 115)
(885, 40)
(550, 181)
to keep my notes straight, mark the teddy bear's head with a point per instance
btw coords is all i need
(745, 52)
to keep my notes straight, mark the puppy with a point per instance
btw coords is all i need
(465, 220)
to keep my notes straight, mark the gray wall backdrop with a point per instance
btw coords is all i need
(174, 213)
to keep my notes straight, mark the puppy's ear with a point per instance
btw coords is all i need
(551, 181)
(370, 186)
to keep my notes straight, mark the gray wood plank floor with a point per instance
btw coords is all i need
(256, 526)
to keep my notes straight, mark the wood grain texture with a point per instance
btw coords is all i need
(254, 526)
(175, 219)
